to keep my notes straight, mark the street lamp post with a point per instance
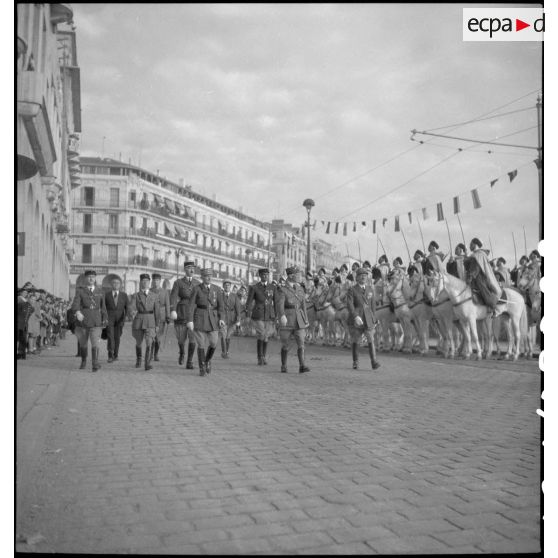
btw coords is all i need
(308, 204)
(248, 254)
(177, 253)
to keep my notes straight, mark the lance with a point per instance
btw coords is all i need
(462, 235)
(359, 254)
(406, 246)
(491, 249)
(449, 236)
(377, 245)
(525, 239)
(422, 237)
(382, 245)
(514, 249)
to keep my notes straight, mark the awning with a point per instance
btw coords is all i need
(167, 230)
(178, 208)
(157, 199)
(178, 231)
(169, 204)
(188, 212)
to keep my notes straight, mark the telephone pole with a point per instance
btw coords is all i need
(539, 163)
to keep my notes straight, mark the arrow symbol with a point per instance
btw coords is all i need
(519, 25)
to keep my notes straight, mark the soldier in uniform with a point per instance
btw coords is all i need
(362, 318)
(231, 317)
(181, 293)
(145, 310)
(116, 302)
(293, 318)
(164, 311)
(262, 296)
(91, 315)
(205, 317)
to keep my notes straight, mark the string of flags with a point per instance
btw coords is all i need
(334, 227)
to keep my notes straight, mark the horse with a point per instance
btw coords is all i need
(337, 296)
(529, 286)
(325, 313)
(401, 310)
(389, 324)
(421, 312)
(468, 313)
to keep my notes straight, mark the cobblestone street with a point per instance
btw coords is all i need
(421, 456)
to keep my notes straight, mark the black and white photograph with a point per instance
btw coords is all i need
(279, 278)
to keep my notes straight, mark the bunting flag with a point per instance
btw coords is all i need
(512, 175)
(328, 227)
(476, 199)
(456, 206)
(397, 223)
(384, 221)
(374, 226)
(440, 211)
(410, 214)
(314, 225)
(344, 229)
(424, 213)
(492, 182)
(336, 228)
(354, 226)
(364, 225)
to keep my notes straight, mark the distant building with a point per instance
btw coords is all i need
(48, 128)
(127, 221)
(289, 244)
(326, 255)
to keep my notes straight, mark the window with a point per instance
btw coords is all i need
(144, 223)
(131, 254)
(89, 196)
(116, 171)
(133, 198)
(87, 222)
(132, 223)
(156, 227)
(114, 197)
(86, 253)
(113, 254)
(113, 223)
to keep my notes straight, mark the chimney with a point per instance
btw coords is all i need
(181, 182)
(214, 197)
(120, 156)
(157, 172)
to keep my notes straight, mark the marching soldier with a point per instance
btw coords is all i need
(164, 311)
(205, 317)
(91, 314)
(263, 296)
(181, 294)
(293, 319)
(362, 318)
(116, 302)
(145, 310)
(231, 317)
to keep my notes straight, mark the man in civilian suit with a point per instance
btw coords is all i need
(116, 302)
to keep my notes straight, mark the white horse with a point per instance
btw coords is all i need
(528, 284)
(325, 313)
(402, 311)
(468, 313)
(390, 333)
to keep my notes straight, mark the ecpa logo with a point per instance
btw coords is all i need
(503, 24)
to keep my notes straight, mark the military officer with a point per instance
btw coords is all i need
(181, 293)
(360, 303)
(231, 317)
(293, 318)
(91, 315)
(262, 296)
(205, 317)
(145, 310)
(164, 311)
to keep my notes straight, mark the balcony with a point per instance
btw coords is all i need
(61, 13)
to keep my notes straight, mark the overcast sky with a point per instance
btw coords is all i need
(265, 105)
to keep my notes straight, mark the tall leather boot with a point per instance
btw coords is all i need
(201, 361)
(223, 347)
(259, 345)
(372, 351)
(264, 352)
(78, 354)
(138, 356)
(83, 354)
(148, 357)
(181, 353)
(284, 354)
(95, 359)
(227, 346)
(302, 367)
(208, 356)
(155, 350)
(191, 351)
(354, 347)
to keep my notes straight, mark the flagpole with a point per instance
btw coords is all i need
(462, 235)
(491, 249)
(359, 254)
(422, 237)
(525, 239)
(514, 249)
(406, 246)
(382, 245)
(449, 236)
(377, 245)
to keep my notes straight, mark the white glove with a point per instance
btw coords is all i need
(283, 320)
(358, 321)
(222, 324)
(79, 316)
(190, 326)
(174, 315)
(237, 323)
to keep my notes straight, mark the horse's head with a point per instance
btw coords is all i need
(435, 284)
(526, 280)
(472, 268)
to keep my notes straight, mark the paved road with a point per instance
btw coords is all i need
(421, 456)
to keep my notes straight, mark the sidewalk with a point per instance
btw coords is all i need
(423, 456)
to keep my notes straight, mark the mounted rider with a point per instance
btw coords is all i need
(456, 264)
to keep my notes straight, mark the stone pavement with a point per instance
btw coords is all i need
(423, 456)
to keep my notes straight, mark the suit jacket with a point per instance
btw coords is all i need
(264, 299)
(164, 303)
(206, 308)
(147, 308)
(180, 296)
(232, 308)
(361, 303)
(116, 312)
(92, 306)
(291, 303)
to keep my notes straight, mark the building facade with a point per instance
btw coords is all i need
(48, 131)
(127, 221)
(289, 245)
(327, 256)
